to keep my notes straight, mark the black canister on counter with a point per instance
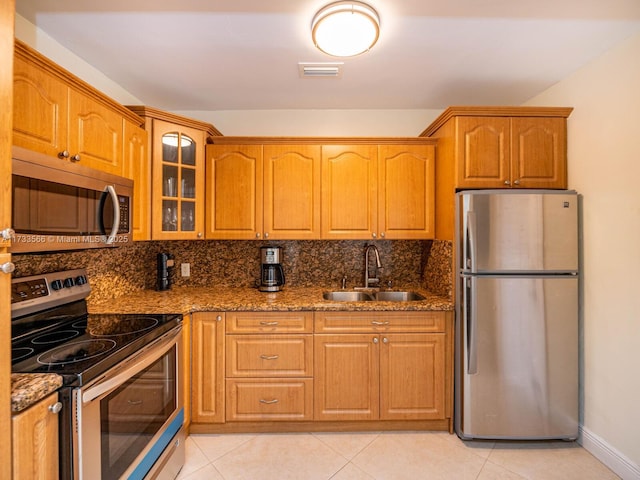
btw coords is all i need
(165, 269)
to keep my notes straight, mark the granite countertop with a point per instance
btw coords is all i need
(29, 388)
(193, 299)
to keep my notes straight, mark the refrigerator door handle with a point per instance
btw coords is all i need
(471, 320)
(470, 257)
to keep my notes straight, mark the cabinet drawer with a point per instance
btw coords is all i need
(371, 322)
(269, 322)
(269, 399)
(269, 355)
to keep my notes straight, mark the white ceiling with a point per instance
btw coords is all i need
(238, 55)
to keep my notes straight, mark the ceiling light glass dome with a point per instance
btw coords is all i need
(345, 29)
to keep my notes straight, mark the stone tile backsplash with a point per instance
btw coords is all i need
(115, 271)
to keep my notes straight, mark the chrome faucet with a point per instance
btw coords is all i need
(368, 281)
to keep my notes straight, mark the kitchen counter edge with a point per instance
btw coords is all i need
(187, 300)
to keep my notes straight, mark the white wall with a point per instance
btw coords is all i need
(604, 166)
(315, 123)
(43, 43)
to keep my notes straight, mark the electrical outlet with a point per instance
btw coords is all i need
(185, 269)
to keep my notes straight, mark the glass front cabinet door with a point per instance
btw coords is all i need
(178, 182)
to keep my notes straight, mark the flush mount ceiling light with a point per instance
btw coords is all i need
(345, 29)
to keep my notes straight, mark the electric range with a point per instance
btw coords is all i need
(52, 332)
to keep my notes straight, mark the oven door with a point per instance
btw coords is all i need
(126, 419)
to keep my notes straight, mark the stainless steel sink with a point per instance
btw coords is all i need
(347, 296)
(391, 296)
(398, 296)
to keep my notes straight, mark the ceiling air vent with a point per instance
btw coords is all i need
(320, 70)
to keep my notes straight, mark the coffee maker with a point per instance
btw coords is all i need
(271, 274)
(165, 270)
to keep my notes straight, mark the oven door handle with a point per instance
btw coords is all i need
(129, 367)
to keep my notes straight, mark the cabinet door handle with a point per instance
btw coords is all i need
(375, 339)
(517, 182)
(55, 408)
(385, 340)
(268, 324)
(75, 158)
(269, 402)
(134, 402)
(266, 235)
(7, 267)
(63, 154)
(219, 318)
(8, 234)
(269, 357)
(507, 182)
(375, 322)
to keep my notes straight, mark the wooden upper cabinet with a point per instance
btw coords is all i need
(291, 191)
(483, 152)
(178, 194)
(137, 166)
(57, 114)
(95, 134)
(538, 152)
(257, 191)
(406, 191)
(519, 152)
(234, 192)
(262, 188)
(36, 91)
(349, 191)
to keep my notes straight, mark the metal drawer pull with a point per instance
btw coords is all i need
(56, 407)
(269, 402)
(375, 322)
(268, 324)
(269, 357)
(134, 402)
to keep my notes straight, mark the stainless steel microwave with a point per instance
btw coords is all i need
(61, 205)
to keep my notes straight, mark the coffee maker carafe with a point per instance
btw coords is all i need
(271, 274)
(165, 270)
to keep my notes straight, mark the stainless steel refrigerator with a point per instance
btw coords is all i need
(517, 257)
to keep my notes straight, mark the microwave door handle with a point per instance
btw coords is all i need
(116, 215)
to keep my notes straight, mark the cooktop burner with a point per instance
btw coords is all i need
(76, 352)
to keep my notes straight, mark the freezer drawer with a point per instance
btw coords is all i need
(518, 232)
(518, 358)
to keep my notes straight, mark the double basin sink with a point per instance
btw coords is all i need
(384, 296)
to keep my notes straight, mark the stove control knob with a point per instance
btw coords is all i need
(69, 282)
(81, 280)
(56, 284)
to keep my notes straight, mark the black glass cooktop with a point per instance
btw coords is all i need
(81, 347)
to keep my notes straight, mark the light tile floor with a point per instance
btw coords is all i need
(382, 456)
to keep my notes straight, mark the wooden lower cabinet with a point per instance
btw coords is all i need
(380, 377)
(269, 366)
(35, 441)
(412, 376)
(207, 368)
(306, 371)
(270, 399)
